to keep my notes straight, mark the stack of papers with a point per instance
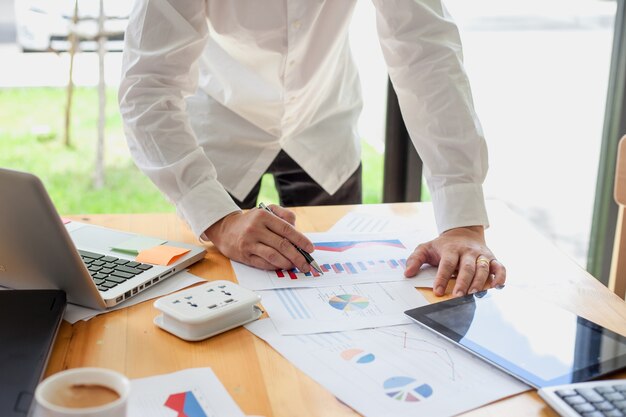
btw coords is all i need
(347, 328)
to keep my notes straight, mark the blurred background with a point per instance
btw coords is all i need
(539, 73)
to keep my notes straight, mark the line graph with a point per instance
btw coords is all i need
(417, 344)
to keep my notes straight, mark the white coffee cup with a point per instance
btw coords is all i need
(49, 391)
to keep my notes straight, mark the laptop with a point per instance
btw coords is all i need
(29, 323)
(39, 251)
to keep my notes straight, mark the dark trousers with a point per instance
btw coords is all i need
(296, 188)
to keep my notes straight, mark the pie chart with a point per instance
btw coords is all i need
(403, 388)
(358, 356)
(348, 302)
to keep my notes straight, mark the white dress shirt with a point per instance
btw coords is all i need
(212, 90)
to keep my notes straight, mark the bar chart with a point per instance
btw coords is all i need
(343, 259)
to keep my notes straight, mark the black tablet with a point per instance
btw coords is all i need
(535, 341)
(29, 322)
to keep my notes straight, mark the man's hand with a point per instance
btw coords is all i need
(459, 252)
(261, 239)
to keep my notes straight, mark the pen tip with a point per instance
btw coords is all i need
(317, 267)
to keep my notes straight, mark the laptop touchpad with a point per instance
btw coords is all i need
(98, 238)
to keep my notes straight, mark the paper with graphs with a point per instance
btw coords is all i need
(345, 259)
(344, 307)
(400, 371)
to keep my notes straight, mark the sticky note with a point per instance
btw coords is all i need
(65, 221)
(161, 255)
(136, 244)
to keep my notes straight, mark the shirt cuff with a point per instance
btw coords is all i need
(459, 205)
(204, 205)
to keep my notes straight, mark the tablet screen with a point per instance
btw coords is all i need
(535, 341)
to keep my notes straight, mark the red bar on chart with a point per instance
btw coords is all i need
(292, 275)
(280, 273)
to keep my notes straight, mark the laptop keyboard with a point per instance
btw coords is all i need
(109, 271)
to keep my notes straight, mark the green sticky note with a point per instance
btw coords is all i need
(136, 244)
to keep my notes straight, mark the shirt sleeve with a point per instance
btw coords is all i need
(163, 43)
(422, 48)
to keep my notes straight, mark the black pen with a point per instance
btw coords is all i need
(304, 253)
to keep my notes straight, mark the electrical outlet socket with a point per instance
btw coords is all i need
(206, 310)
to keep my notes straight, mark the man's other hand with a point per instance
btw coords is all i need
(460, 253)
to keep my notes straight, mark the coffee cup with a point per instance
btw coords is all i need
(87, 392)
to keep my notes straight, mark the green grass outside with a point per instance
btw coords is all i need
(31, 136)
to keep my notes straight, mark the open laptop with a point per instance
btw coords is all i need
(38, 251)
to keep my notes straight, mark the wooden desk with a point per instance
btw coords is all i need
(260, 380)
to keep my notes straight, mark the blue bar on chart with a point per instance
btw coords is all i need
(349, 268)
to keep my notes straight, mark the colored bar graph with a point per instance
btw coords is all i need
(350, 268)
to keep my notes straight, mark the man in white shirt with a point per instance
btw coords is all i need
(215, 92)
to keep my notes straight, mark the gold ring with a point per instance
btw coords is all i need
(483, 260)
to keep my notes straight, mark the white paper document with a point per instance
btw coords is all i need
(355, 222)
(393, 371)
(345, 259)
(180, 280)
(192, 392)
(345, 307)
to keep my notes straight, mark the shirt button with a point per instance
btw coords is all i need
(296, 24)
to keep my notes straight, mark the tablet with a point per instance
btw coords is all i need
(535, 341)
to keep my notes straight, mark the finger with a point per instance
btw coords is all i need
(285, 214)
(415, 261)
(288, 250)
(284, 229)
(258, 262)
(465, 275)
(272, 256)
(498, 271)
(447, 266)
(481, 275)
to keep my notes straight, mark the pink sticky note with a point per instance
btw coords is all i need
(160, 255)
(65, 221)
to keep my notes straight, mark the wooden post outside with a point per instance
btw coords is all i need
(70, 83)
(102, 37)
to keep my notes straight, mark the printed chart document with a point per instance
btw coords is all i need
(344, 307)
(393, 371)
(355, 222)
(192, 393)
(345, 259)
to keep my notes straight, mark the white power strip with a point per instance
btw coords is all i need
(206, 310)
